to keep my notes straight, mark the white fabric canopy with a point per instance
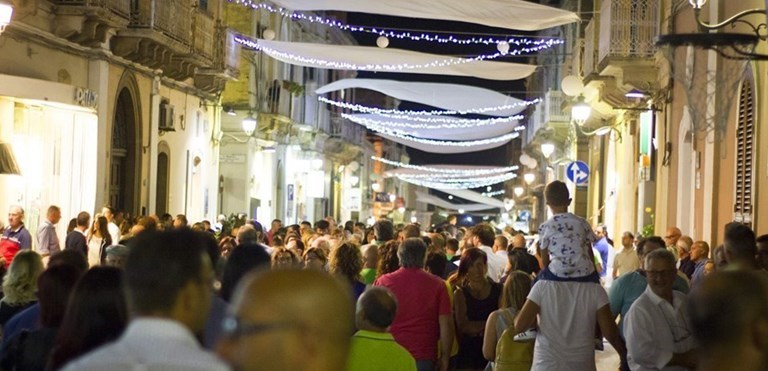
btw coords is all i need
(442, 149)
(511, 14)
(366, 58)
(452, 97)
(462, 133)
(456, 170)
(427, 198)
(476, 197)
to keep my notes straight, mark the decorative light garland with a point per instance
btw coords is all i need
(517, 41)
(382, 111)
(323, 63)
(446, 170)
(445, 143)
(459, 179)
(494, 193)
(460, 185)
(447, 122)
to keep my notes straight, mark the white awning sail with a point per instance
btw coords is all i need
(475, 197)
(452, 97)
(421, 129)
(427, 198)
(510, 14)
(436, 148)
(366, 58)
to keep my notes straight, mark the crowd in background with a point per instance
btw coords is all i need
(159, 292)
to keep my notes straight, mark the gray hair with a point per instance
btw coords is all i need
(247, 235)
(660, 254)
(412, 253)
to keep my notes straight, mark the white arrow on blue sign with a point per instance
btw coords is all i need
(577, 172)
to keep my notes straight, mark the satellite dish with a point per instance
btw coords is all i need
(572, 85)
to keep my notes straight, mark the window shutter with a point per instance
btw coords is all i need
(745, 152)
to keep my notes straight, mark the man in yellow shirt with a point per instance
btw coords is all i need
(373, 347)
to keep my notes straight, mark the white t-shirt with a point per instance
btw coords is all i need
(568, 238)
(567, 318)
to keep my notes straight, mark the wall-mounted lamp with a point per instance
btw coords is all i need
(519, 191)
(6, 13)
(270, 149)
(547, 149)
(249, 124)
(376, 187)
(580, 111)
(529, 178)
(392, 198)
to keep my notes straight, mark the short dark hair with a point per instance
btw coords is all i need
(452, 244)
(436, 263)
(384, 230)
(556, 193)
(485, 233)
(183, 219)
(83, 219)
(322, 224)
(411, 230)
(305, 222)
(71, 258)
(740, 241)
(242, 260)
(656, 240)
(762, 239)
(379, 306)
(158, 267)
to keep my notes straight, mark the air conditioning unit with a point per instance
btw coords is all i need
(166, 117)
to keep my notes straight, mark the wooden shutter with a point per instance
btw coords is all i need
(745, 152)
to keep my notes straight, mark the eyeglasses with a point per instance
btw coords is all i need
(234, 327)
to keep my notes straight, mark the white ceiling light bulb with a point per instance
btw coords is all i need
(509, 204)
(450, 197)
(529, 178)
(461, 211)
(269, 34)
(547, 149)
(503, 47)
(382, 42)
(392, 198)
(532, 163)
(519, 191)
(572, 85)
(414, 219)
(488, 189)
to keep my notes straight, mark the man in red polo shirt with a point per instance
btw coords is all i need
(15, 237)
(424, 313)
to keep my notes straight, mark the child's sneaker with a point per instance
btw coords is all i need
(525, 336)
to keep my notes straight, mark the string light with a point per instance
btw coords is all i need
(323, 63)
(462, 183)
(442, 122)
(414, 36)
(446, 143)
(442, 170)
(494, 193)
(381, 111)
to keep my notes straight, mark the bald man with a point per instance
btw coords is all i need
(373, 347)
(728, 315)
(288, 320)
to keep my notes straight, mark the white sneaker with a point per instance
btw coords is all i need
(525, 336)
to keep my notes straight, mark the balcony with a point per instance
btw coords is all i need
(548, 114)
(619, 51)
(87, 22)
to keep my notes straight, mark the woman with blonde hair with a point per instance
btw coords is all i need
(513, 295)
(283, 258)
(20, 284)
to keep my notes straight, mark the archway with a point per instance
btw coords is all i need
(125, 164)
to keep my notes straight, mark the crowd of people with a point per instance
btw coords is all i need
(164, 295)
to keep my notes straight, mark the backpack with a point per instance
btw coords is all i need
(512, 355)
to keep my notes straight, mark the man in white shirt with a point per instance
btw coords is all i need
(114, 230)
(483, 238)
(168, 279)
(656, 329)
(627, 260)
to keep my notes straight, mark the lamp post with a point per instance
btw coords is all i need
(249, 124)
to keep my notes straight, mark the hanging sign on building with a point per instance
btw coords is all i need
(577, 172)
(86, 98)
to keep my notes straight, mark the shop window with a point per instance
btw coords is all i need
(745, 131)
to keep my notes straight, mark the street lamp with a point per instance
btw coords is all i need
(519, 191)
(529, 178)
(547, 149)
(580, 111)
(249, 124)
(6, 13)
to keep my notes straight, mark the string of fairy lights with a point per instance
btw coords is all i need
(383, 111)
(435, 123)
(378, 67)
(459, 183)
(447, 170)
(446, 143)
(535, 44)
